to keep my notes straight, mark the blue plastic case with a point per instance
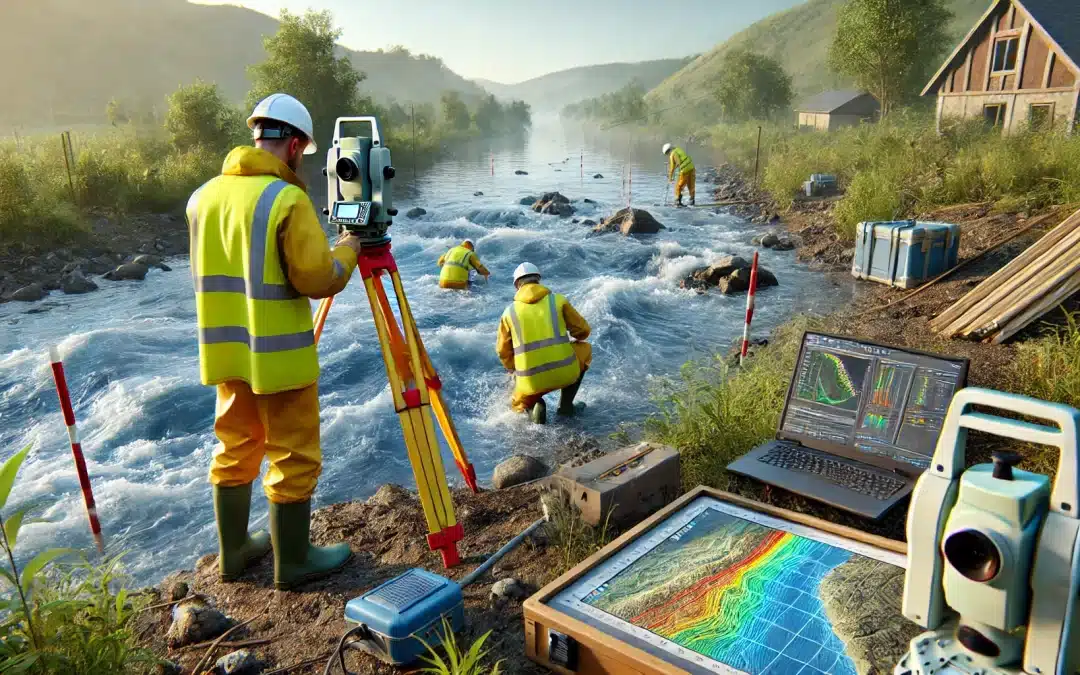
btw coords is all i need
(407, 607)
(904, 253)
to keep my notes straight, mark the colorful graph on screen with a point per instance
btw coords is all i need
(748, 596)
(832, 379)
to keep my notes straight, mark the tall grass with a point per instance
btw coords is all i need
(902, 166)
(1049, 367)
(715, 412)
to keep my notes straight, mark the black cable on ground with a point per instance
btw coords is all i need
(339, 653)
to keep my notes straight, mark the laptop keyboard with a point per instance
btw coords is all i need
(845, 474)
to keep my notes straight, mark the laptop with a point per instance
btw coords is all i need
(859, 425)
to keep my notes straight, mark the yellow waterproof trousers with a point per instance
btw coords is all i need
(282, 426)
(524, 402)
(687, 180)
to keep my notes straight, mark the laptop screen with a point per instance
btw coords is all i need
(878, 400)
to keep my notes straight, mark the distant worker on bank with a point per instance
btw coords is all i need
(258, 253)
(535, 344)
(680, 161)
(456, 264)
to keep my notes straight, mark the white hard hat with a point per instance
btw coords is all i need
(468, 242)
(285, 108)
(526, 269)
(667, 148)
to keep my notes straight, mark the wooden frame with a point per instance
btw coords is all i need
(999, 119)
(1050, 116)
(600, 653)
(1006, 40)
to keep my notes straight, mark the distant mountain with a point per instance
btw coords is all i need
(65, 59)
(799, 38)
(555, 90)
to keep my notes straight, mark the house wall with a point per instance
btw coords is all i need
(837, 121)
(1041, 75)
(819, 121)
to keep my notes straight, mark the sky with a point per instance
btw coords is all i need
(510, 41)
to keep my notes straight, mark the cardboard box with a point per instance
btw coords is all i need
(630, 483)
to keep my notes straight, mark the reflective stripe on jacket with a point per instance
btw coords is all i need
(456, 265)
(253, 324)
(680, 161)
(543, 357)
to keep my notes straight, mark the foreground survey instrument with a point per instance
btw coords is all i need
(859, 424)
(359, 197)
(717, 584)
(993, 560)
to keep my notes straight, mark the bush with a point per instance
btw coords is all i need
(200, 117)
(715, 412)
(571, 536)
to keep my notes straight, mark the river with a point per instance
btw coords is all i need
(146, 423)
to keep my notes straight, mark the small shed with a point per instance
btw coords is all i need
(834, 109)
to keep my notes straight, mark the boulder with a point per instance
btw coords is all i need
(100, 264)
(177, 590)
(630, 222)
(517, 470)
(75, 283)
(554, 204)
(31, 293)
(730, 274)
(588, 201)
(527, 201)
(77, 264)
(128, 272)
(195, 621)
(240, 662)
(152, 261)
(519, 172)
(51, 284)
(599, 175)
(770, 240)
(415, 212)
(478, 194)
(588, 222)
(508, 589)
(784, 244)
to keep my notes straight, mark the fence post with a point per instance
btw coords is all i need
(757, 157)
(412, 116)
(65, 142)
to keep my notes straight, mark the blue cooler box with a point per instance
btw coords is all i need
(904, 253)
(407, 607)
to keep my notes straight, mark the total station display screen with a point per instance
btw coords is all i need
(347, 210)
(880, 400)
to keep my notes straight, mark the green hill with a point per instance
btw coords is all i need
(65, 59)
(799, 38)
(555, 90)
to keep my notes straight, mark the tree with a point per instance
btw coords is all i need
(889, 47)
(199, 116)
(520, 116)
(489, 116)
(302, 61)
(751, 86)
(455, 113)
(116, 112)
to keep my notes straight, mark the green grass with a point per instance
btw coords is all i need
(459, 660)
(903, 167)
(714, 412)
(569, 535)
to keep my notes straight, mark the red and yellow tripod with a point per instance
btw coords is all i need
(417, 391)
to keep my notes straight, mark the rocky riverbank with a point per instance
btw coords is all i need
(112, 250)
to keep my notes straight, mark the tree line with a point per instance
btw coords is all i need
(889, 48)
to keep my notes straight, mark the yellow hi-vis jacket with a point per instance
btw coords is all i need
(534, 340)
(456, 264)
(258, 253)
(680, 161)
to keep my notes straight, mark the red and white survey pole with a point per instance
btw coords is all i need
(76, 448)
(749, 310)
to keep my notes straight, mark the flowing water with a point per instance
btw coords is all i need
(146, 423)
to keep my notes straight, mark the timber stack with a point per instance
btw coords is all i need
(1032, 284)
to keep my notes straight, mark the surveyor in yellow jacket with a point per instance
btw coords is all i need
(535, 345)
(456, 264)
(258, 253)
(679, 161)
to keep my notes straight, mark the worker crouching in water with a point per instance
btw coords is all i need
(535, 345)
(456, 264)
(258, 253)
(680, 161)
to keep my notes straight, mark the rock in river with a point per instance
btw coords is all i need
(152, 261)
(519, 172)
(128, 271)
(30, 293)
(195, 621)
(630, 222)
(730, 274)
(527, 201)
(415, 212)
(75, 283)
(555, 204)
(516, 470)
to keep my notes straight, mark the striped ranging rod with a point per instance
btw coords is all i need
(76, 448)
(749, 310)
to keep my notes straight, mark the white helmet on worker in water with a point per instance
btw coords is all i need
(526, 269)
(468, 243)
(667, 148)
(287, 110)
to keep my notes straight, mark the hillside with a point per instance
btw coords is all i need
(67, 58)
(799, 38)
(555, 90)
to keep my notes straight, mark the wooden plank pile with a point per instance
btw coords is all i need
(1032, 284)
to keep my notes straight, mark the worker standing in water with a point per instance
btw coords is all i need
(535, 344)
(681, 162)
(258, 253)
(456, 264)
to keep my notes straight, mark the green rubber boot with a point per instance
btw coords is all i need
(538, 414)
(236, 548)
(296, 561)
(566, 400)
